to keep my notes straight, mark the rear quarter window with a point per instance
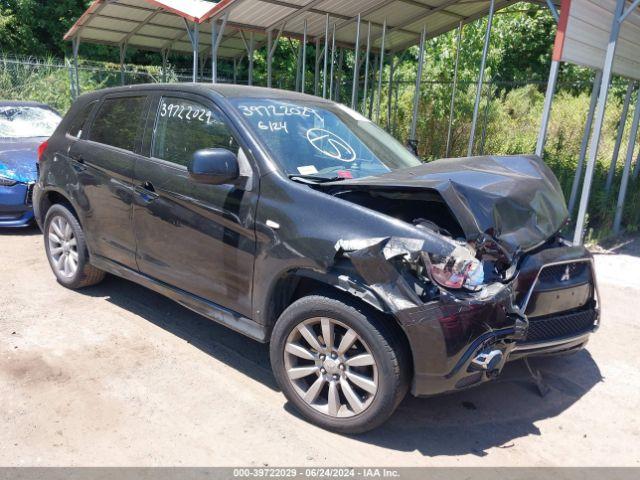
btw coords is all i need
(117, 122)
(76, 126)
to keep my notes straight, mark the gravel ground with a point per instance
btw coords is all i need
(119, 375)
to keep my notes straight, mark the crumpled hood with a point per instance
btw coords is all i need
(515, 200)
(18, 158)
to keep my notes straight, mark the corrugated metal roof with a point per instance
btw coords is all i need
(158, 25)
(587, 35)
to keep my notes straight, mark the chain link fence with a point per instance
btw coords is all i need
(508, 122)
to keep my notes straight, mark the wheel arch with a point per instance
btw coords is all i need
(298, 283)
(51, 197)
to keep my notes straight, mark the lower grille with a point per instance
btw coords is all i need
(556, 273)
(29, 198)
(568, 324)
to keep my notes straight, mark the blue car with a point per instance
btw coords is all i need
(24, 126)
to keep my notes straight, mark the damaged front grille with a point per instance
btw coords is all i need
(563, 272)
(560, 288)
(559, 326)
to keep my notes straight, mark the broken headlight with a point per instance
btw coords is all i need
(6, 182)
(458, 270)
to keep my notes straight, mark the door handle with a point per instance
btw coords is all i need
(147, 192)
(79, 160)
(148, 186)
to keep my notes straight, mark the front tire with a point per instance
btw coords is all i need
(343, 367)
(67, 250)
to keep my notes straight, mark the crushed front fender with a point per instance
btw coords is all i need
(446, 330)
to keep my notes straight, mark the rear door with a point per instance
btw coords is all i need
(195, 237)
(105, 162)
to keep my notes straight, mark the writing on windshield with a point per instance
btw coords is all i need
(312, 139)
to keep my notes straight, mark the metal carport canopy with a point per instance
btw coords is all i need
(584, 37)
(149, 25)
(159, 25)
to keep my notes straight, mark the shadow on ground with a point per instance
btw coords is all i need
(239, 352)
(468, 422)
(628, 244)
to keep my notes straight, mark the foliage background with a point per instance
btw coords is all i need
(32, 66)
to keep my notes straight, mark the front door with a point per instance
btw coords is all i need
(198, 238)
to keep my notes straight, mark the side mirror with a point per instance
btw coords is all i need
(213, 166)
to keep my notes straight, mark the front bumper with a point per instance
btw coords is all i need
(452, 336)
(16, 205)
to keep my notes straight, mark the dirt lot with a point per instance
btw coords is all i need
(119, 375)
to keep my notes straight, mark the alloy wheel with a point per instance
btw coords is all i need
(63, 247)
(331, 367)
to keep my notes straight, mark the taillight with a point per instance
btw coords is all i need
(41, 149)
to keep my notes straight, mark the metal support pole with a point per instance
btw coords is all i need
(216, 39)
(546, 110)
(366, 69)
(621, 126)
(194, 37)
(272, 45)
(196, 47)
(585, 141)
(627, 168)
(416, 93)
(316, 70)
(339, 79)
(554, 10)
(333, 56)
(251, 46)
(392, 67)
(454, 89)
(394, 124)
(326, 56)
(597, 129)
(356, 67)
(636, 169)
(202, 60)
(483, 135)
(304, 56)
(235, 70)
(165, 54)
(372, 95)
(381, 69)
(72, 87)
(214, 51)
(123, 52)
(269, 57)
(485, 51)
(298, 65)
(76, 48)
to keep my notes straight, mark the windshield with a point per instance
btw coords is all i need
(23, 122)
(323, 141)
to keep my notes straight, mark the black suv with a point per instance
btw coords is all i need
(297, 221)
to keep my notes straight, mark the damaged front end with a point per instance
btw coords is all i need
(493, 287)
(461, 330)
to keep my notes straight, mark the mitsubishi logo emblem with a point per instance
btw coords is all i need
(566, 276)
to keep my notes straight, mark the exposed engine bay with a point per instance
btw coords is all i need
(485, 230)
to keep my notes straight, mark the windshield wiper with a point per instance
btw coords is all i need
(316, 179)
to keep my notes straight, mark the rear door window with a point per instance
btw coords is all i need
(184, 126)
(117, 122)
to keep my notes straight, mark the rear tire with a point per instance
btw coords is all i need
(67, 251)
(350, 389)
